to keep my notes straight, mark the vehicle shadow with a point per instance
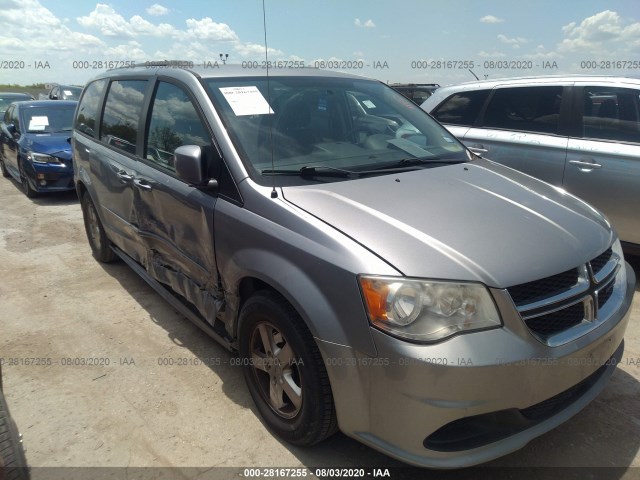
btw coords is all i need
(602, 435)
(67, 197)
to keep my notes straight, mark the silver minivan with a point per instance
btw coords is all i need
(581, 133)
(372, 273)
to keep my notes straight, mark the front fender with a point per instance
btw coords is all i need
(308, 262)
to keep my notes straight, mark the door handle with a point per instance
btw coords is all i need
(142, 184)
(584, 165)
(124, 176)
(478, 148)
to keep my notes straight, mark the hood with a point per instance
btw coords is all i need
(477, 221)
(55, 144)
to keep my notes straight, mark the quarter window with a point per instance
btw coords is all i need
(174, 122)
(88, 108)
(530, 109)
(611, 114)
(122, 112)
(461, 108)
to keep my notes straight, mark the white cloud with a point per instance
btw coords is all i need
(255, 50)
(111, 24)
(366, 24)
(602, 32)
(157, 10)
(515, 42)
(491, 19)
(107, 20)
(207, 29)
(131, 50)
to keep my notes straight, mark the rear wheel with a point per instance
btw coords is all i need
(100, 244)
(24, 181)
(284, 371)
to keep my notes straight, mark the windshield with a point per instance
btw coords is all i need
(54, 119)
(327, 123)
(70, 93)
(6, 101)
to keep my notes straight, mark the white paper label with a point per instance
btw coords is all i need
(68, 92)
(369, 104)
(246, 101)
(38, 123)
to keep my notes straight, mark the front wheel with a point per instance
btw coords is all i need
(284, 371)
(3, 168)
(98, 240)
(24, 181)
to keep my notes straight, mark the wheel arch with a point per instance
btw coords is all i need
(343, 322)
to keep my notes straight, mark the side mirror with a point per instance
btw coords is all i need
(191, 167)
(13, 131)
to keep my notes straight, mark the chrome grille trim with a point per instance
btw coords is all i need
(595, 289)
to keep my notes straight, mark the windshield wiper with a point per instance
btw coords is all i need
(410, 162)
(313, 171)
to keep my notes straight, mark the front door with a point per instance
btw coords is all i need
(175, 220)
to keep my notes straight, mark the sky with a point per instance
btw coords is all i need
(407, 41)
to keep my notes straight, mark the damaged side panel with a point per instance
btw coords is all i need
(176, 228)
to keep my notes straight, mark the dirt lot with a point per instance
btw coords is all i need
(150, 400)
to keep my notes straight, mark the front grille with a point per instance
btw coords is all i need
(557, 322)
(547, 287)
(556, 304)
(598, 263)
(605, 294)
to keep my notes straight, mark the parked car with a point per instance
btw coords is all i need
(13, 463)
(581, 133)
(7, 98)
(34, 146)
(64, 92)
(438, 307)
(416, 92)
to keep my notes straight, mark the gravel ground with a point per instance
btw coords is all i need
(151, 390)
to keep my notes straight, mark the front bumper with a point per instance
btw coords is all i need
(474, 397)
(50, 177)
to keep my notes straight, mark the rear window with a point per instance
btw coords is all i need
(611, 114)
(88, 108)
(462, 108)
(530, 109)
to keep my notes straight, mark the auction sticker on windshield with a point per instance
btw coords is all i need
(246, 101)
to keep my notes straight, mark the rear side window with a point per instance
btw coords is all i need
(14, 118)
(462, 108)
(88, 108)
(530, 109)
(122, 111)
(174, 122)
(611, 114)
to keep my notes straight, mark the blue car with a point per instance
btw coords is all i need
(34, 147)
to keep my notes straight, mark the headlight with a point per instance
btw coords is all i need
(427, 311)
(41, 158)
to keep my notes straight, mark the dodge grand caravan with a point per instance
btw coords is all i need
(373, 275)
(579, 132)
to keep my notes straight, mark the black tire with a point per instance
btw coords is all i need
(3, 169)
(314, 418)
(24, 181)
(98, 240)
(13, 463)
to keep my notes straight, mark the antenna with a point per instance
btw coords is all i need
(274, 193)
